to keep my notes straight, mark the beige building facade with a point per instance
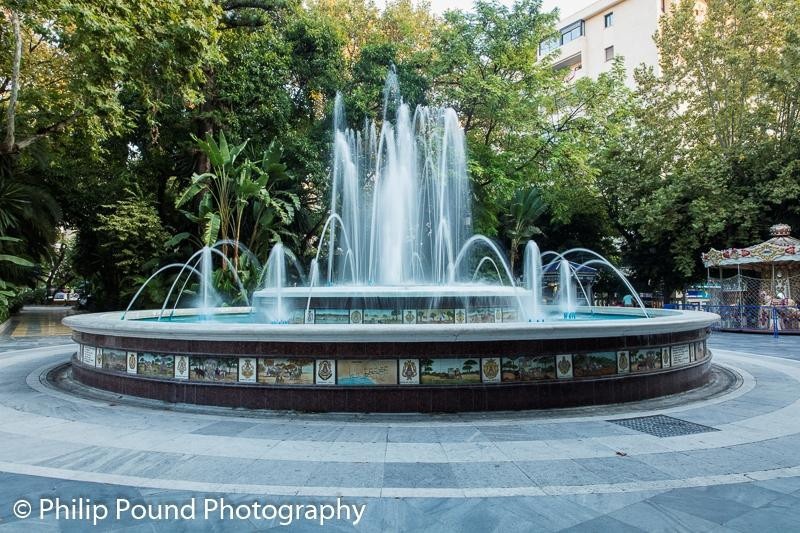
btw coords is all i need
(590, 39)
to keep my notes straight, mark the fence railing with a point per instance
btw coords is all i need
(755, 318)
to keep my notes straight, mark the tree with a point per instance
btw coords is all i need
(131, 232)
(237, 192)
(520, 221)
(72, 61)
(28, 217)
(709, 154)
(527, 124)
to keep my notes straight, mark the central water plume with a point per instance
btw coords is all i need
(400, 199)
(397, 245)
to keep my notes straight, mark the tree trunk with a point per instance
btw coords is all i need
(206, 126)
(62, 252)
(513, 255)
(9, 141)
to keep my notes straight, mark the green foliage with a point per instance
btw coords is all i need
(83, 57)
(131, 232)
(240, 201)
(709, 155)
(527, 124)
(527, 206)
(27, 219)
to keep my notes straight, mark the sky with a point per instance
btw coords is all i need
(567, 7)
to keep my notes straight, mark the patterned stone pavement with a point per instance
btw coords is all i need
(573, 469)
(35, 326)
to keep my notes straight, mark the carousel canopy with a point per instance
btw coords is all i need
(781, 248)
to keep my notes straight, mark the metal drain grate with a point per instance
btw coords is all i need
(663, 426)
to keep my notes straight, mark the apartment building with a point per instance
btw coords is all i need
(590, 39)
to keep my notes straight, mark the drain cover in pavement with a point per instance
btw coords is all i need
(663, 426)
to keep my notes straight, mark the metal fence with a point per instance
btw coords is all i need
(741, 290)
(752, 318)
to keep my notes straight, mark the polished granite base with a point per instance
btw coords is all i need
(394, 367)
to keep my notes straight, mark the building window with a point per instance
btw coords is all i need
(609, 53)
(547, 46)
(609, 19)
(566, 34)
(572, 32)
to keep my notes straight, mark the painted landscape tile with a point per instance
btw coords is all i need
(367, 372)
(510, 314)
(435, 316)
(645, 359)
(382, 316)
(219, 369)
(594, 364)
(528, 368)
(332, 316)
(285, 371)
(156, 365)
(116, 360)
(297, 316)
(480, 315)
(449, 371)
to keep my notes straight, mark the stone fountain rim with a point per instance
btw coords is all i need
(661, 321)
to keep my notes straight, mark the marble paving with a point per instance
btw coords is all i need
(39, 321)
(572, 469)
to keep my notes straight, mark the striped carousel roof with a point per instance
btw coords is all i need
(781, 248)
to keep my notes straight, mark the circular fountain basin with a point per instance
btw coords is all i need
(396, 367)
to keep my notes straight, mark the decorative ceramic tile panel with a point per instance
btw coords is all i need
(182, 367)
(247, 370)
(325, 372)
(490, 370)
(449, 371)
(623, 362)
(285, 371)
(680, 355)
(408, 371)
(132, 362)
(564, 366)
(366, 372)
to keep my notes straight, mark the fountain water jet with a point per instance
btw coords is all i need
(566, 291)
(532, 279)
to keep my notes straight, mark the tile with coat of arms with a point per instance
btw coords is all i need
(247, 370)
(325, 373)
(408, 371)
(564, 366)
(490, 370)
(182, 367)
(623, 362)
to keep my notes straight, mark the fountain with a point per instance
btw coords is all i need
(394, 314)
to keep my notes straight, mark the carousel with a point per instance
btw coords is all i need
(757, 288)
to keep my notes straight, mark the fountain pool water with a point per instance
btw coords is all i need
(403, 308)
